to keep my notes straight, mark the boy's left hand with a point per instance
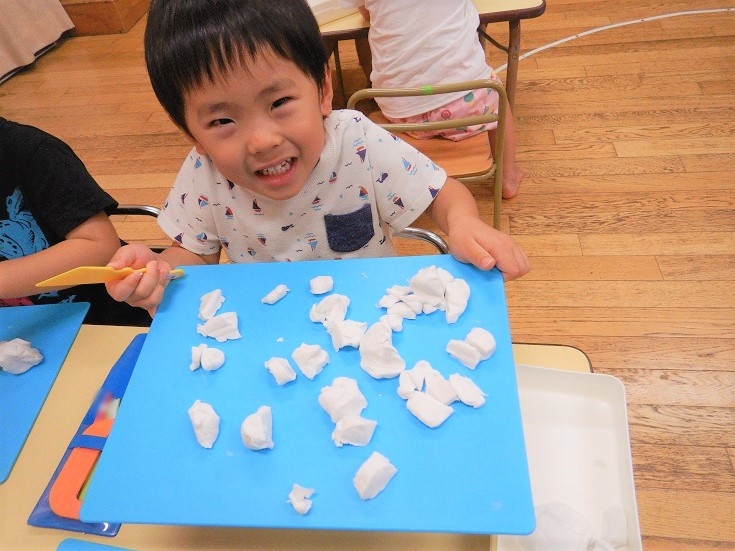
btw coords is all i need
(483, 246)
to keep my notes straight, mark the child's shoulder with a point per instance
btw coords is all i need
(342, 116)
(345, 121)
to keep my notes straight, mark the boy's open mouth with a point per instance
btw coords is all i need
(278, 169)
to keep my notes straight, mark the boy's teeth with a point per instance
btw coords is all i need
(279, 169)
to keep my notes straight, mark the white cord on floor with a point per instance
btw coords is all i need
(614, 26)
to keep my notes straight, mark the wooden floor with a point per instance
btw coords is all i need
(627, 212)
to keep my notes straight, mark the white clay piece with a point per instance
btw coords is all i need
(345, 332)
(353, 430)
(344, 402)
(300, 499)
(427, 409)
(275, 295)
(406, 386)
(18, 356)
(464, 352)
(457, 294)
(310, 359)
(210, 303)
(331, 308)
(423, 377)
(440, 388)
(321, 285)
(196, 357)
(281, 370)
(206, 357)
(467, 391)
(483, 340)
(429, 290)
(341, 398)
(257, 429)
(378, 356)
(205, 422)
(373, 476)
(221, 327)
(479, 344)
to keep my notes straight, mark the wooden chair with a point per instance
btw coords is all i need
(469, 160)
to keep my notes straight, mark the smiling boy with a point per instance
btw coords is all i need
(275, 174)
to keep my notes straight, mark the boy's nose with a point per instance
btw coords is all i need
(262, 139)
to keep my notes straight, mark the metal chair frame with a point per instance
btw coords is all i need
(409, 233)
(495, 172)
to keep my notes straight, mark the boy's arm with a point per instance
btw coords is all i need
(92, 243)
(471, 240)
(145, 290)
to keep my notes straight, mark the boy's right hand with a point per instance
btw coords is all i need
(144, 290)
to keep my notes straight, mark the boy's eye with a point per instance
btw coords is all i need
(221, 122)
(281, 101)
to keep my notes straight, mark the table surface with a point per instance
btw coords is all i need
(94, 352)
(489, 10)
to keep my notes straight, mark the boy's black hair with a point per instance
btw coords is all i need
(187, 41)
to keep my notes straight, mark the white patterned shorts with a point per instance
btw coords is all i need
(476, 102)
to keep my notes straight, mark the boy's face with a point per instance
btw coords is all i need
(261, 124)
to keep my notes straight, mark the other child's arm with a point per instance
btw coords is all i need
(91, 243)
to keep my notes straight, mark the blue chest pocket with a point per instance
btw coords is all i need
(351, 231)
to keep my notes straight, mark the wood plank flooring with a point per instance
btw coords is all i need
(627, 212)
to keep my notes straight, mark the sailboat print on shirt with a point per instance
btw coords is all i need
(410, 168)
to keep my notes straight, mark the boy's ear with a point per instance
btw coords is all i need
(327, 93)
(196, 144)
(199, 148)
(191, 139)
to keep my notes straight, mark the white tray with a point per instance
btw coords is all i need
(576, 431)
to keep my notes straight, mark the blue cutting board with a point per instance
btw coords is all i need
(51, 328)
(470, 475)
(71, 544)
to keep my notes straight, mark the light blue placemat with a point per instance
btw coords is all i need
(469, 475)
(51, 328)
(72, 544)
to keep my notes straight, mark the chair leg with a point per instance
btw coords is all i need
(497, 149)
(332, 47)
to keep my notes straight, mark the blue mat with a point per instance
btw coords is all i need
(51, 328)
(469, 475)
